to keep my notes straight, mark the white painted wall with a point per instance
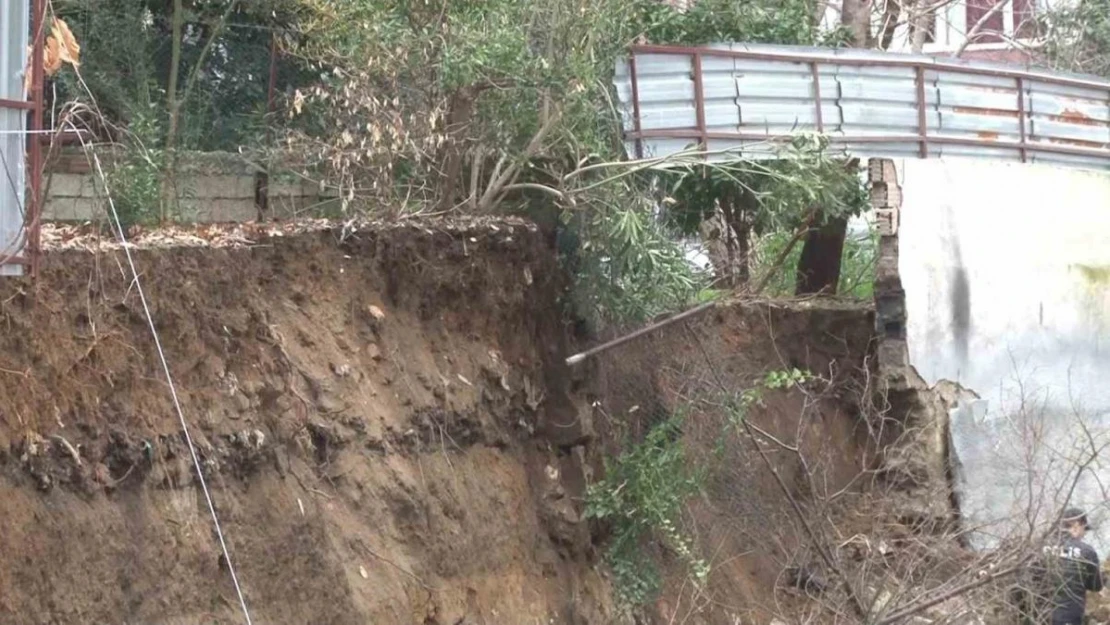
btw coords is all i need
(1034, 244)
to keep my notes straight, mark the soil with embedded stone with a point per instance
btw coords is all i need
(362, 404)
(385, 424)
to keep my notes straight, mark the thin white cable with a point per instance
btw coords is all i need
(27, 132)
(173, 389)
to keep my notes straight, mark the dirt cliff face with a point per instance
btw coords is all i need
(817, 439)
(374, 412)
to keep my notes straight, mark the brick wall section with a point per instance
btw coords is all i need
(890, 298)
(212, 187)
(916, 460)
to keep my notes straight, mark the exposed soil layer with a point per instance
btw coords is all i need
(370, 410)
(817, 437)
(388, 431)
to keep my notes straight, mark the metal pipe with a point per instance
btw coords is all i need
(817, 97)
(593, 351)
(635, 103)
(699, 101)
(16, 104)
(668, 133)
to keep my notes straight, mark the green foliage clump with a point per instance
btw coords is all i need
(766, 201)
(126, 64)
(643, 496)
(716, 21)
(777, 195)
(628, 265)
(1077, 36)
(857, 269)
(780, 379)
(134, 180)
(645, 490)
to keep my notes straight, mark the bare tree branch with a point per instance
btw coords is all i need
(973, 32)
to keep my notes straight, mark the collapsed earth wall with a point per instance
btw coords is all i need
(370, 409)
(388, 430)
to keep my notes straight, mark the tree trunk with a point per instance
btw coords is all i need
(740, 243)
(855, 15)
(169, 182)
(819, 266)
(460, 111)
(727, 249)
(919, 26)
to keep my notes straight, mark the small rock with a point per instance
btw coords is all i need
(242, 402)
(375, 312)
(101, 473)
(329, 403)
(342, 371)
(33, 445)
(363, 573)
(281, 461)
(374, 351)
(231, 384)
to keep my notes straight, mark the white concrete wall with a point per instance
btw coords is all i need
(1022, 253)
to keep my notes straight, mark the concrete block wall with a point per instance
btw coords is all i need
(212, 187)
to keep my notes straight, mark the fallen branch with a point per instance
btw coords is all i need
(973, 32)
(796, 508)
(955, 592)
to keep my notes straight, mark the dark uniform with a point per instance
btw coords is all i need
(1070, 570)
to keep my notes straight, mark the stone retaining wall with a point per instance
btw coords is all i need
(212, 187)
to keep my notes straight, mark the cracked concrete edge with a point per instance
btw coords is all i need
(922, 459)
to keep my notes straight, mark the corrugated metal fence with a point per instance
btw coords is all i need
(739, 100)
(14, 30)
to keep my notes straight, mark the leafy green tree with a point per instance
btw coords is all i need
(801, 189)
(1077, 36)
(127, 66)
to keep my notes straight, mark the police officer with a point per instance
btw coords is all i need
(1072, 568)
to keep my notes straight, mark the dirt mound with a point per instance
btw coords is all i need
(370, 409)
